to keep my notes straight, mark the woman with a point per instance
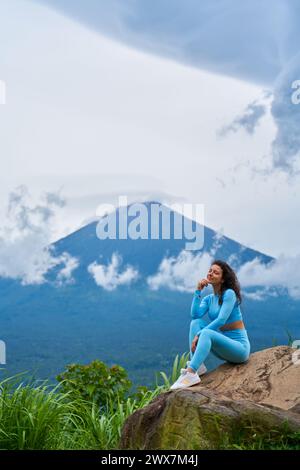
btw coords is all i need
(225, 335)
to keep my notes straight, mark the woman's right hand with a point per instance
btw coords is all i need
(203, 283)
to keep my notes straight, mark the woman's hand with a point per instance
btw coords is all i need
(203, 283)
(194, 343)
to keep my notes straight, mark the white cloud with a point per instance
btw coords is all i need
(260, 294)
(181, 273)
(281, 272)
(109, 276)
(218, 239)
(25, 253)
(234, 259)
(65, 274)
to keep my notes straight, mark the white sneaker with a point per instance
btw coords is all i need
(201, 370)
(186, 379)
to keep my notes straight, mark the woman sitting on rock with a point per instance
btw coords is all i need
(231, 343)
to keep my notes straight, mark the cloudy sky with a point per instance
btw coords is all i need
(181, 102)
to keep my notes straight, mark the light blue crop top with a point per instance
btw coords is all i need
(228, 312)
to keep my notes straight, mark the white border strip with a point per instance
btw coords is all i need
(2, 92)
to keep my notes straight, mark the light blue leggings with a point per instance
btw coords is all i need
(232, 346)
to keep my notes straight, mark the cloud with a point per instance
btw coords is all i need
(284, 108)
(109, 277)
(234, 259)
(286, 114)
(25, 250)
(260, 294)
(218, 239)
(65, 274)
(272, 279)
(281, 272)
(181, 273)
(209, 35)
(248, 120)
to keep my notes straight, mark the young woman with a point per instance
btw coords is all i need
(225, 336)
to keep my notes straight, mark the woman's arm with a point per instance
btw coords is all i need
(229, 300)
(199, 306)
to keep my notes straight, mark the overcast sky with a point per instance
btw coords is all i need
(95, 110)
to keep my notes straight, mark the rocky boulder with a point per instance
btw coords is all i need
(236, 402)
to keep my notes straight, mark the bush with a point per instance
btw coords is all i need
(96, 382)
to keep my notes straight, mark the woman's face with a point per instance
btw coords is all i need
(214, 274)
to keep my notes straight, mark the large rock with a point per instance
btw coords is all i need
(259, 398)
(269, 377)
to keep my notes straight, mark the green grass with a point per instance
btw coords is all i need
(276, 439)
(34, 416)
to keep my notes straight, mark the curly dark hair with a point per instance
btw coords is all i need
(230, 280)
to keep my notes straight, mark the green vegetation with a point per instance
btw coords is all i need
(278, 439)
(95, 382)
(88, 408)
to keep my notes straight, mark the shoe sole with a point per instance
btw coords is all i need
(186, 386)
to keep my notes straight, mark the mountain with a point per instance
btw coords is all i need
(47, 326)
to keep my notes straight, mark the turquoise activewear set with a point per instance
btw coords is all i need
(233, 345)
